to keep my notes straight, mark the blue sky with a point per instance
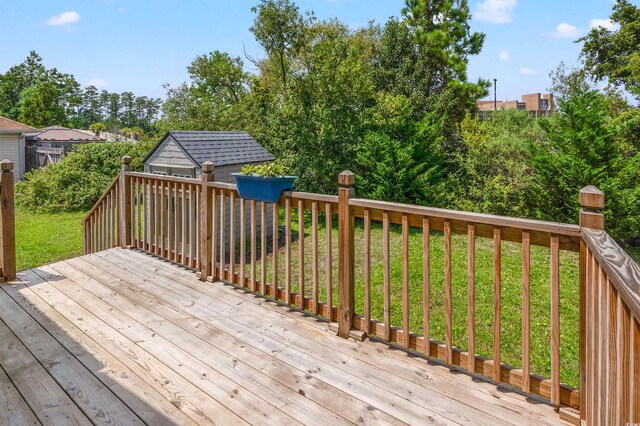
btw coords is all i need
(139, 45)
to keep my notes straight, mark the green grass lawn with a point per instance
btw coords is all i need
(511, 311)
(44, 238)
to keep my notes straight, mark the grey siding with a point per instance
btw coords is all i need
(169, 153)
(12, 148)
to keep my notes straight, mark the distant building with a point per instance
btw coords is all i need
(535, 103)
(49, 145)
(12, 143)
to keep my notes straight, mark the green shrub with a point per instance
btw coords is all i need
(76, 182)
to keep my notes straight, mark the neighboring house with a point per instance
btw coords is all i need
(12, 144)
(49, 145)
(181, 153)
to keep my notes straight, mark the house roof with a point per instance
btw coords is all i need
(61, 134)
(9, 124)
(221, 148)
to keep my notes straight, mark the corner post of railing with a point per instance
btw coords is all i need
(591, 202)
(124, 208)
(346, 285)
(206, 213)
(7, 221)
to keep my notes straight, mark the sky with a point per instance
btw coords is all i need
(139, 45)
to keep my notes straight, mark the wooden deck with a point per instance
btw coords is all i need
(121, 337)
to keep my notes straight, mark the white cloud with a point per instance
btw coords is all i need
(565, 30)
(604, 23)
(528, 71)
(64, 18)
(495, 11)
(98, 83)
(504, 55)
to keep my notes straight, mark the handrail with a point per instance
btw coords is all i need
(113, 183)
(165, 178)
(477, 218)
(621, 269)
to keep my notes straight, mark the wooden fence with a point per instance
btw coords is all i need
(184, 220)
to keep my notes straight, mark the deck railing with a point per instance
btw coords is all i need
(207, 226)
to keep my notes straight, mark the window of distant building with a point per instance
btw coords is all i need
(544, 104)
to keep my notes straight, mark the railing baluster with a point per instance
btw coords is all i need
(301, 252)
(314, 254)
(526, 311)
(287, 252)
(183, 231)
(274, 244)
(447, 292)
(145, 212)
(176, 222)
(253, 245)
(555, 320)
(329, 260)
(405, 280)
(163, 217)
(426, 287)
(263, 248)
(387, 275)
(232, 237)
(191, 210)
(471, 298)
(367, 271)
(243, 242)
(170, 221)
(497, 276)
(223, 236)
(214, 234)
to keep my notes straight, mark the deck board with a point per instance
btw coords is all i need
(153, 344)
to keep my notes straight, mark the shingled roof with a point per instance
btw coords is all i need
(8, 124)
(221, 148)
(61, 134)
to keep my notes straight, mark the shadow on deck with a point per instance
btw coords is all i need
(122, 337)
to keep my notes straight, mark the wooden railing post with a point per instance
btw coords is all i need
(346, 292)
(124, 208)
(591, 201)
(7, 222)
(206, 213)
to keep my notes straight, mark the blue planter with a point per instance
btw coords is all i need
(254, 187)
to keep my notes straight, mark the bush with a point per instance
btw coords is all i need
(586, 145)
(492, 164)
(76, 182)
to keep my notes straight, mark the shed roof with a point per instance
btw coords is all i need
(9, 124)
(61, 134)
(221, 148)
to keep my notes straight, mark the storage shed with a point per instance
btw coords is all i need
(181, 153)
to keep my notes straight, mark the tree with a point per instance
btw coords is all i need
(281, 31)
(581, 148)
(40, 106)
(218, 74)
(97, 128)
(614, 54)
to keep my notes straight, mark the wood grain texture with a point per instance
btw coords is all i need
(555, 320)
(471, 297)
(526, 312)
(497, 291)
(405, 280)
(426, 286)
(386, 259)
(366, 266)
(329, 259)
(447, 292)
